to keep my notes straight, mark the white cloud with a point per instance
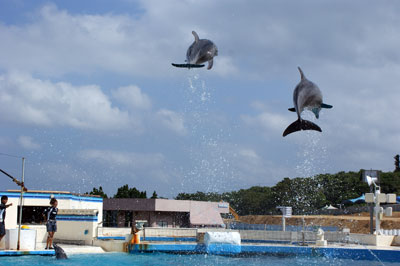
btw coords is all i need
(249, 154)
(123, 159)
(132, 97)
(171, 120)
(27, 142)
(254, 169)
(26, 100)
(267, 121)
(56, 42)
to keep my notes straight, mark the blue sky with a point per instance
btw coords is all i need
(88, 95)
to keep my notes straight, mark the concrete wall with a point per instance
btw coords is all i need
(81, 232)
(334, 237)
(396, 241)
(169, 232)
(113, 231)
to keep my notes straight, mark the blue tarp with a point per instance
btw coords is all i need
(360, 199)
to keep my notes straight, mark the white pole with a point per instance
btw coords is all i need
(377, 211)
(20, 203)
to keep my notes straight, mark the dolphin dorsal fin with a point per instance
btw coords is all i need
(301, 73)
(196, 37)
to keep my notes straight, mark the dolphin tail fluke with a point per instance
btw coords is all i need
(187, 65)
(301, 125)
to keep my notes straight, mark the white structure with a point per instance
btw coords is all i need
(377, 198)
(286, 213)
(321, 238)
(77, 219)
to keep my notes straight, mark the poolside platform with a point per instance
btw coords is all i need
(355, 252)
(69, 250)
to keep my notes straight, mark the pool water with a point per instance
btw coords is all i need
(178, 259)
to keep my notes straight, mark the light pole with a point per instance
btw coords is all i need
(21, 203)
(23, 188)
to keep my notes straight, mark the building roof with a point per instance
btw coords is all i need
(201, 212)
(52, 192)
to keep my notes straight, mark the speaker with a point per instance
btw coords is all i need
(371, 180)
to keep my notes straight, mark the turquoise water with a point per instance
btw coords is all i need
(176, 260)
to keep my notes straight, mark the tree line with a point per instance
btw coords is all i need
(304, 195)
(123, 192)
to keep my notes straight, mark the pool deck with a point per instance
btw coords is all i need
(69, 250)
(357, 252)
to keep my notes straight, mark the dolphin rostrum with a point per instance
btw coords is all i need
(201, 51)
(60, 254)
(306, 95)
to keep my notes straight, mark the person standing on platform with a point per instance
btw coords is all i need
(51, 222)
(3, 207)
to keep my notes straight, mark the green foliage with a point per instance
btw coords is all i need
(98, 192)
(341, 186)
(154, 196)
(126, 192)
(390, 182)
(199, 196)
(304, 195)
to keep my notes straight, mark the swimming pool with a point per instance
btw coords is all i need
(178, 259)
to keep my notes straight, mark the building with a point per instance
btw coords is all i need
(80, 217)
(77, 220)
(163, 212)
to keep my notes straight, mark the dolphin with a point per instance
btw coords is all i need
(60, 254)
(308, 96)
(201, 51)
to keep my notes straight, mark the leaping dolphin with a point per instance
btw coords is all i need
(60, 254)
(201, 51)
(308, 96)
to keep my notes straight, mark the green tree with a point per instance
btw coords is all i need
(154, 196)
(341, 186)
(98, 192)
(126, 192)
(199, 196)
(304, 195)
(397, 163)
(390, 182)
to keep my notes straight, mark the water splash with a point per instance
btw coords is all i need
(209, 162)
(312, 152)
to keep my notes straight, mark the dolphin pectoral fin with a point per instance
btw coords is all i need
(196, 37)
(187, 65)
(316, 112)
(210, 64)
(327, 106)
(292, 109)
(301, 125)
